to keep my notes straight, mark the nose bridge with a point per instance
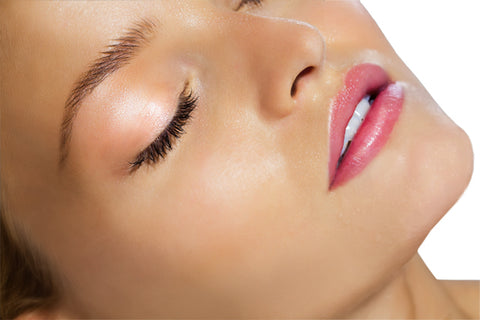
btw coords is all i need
(278, 50)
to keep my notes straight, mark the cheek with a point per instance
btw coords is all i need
(229, 210)
(228, 194)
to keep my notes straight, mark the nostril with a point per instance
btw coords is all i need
(302, 74)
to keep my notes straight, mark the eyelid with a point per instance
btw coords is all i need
(251, 3)
(166, 140)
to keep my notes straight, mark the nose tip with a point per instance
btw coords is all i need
(302, 48)
(282, 55)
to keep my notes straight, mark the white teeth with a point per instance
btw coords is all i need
(357, 118)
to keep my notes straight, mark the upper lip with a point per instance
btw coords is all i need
(360, 80)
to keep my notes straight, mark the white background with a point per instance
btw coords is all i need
(440, 42)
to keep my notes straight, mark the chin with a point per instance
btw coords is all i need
(450, 161)
(427, 176)
(440, 168)
(421, 173)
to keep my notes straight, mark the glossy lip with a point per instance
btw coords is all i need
(376, 128)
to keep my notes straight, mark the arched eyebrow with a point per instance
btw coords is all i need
(114, 57)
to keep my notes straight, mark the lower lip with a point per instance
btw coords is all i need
(373, 132)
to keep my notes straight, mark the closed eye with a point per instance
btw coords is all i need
(252, 3)
(166, 140)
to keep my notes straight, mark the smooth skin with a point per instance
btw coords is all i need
(238, 220)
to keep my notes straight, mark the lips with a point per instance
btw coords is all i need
(373, 133)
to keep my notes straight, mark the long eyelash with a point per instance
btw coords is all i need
(166, 140)
(255, 3)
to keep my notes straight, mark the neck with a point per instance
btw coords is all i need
(413, 294)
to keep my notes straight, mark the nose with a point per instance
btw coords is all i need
(284, 55)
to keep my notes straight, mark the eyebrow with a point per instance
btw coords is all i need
(113, 57)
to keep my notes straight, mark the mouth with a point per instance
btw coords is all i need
(362, 117)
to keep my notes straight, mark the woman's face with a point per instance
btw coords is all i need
(239, 218)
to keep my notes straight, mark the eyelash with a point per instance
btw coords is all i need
(166, 140)
(175, 129)
(254, 3)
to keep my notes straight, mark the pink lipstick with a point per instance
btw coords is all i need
(368, 82)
